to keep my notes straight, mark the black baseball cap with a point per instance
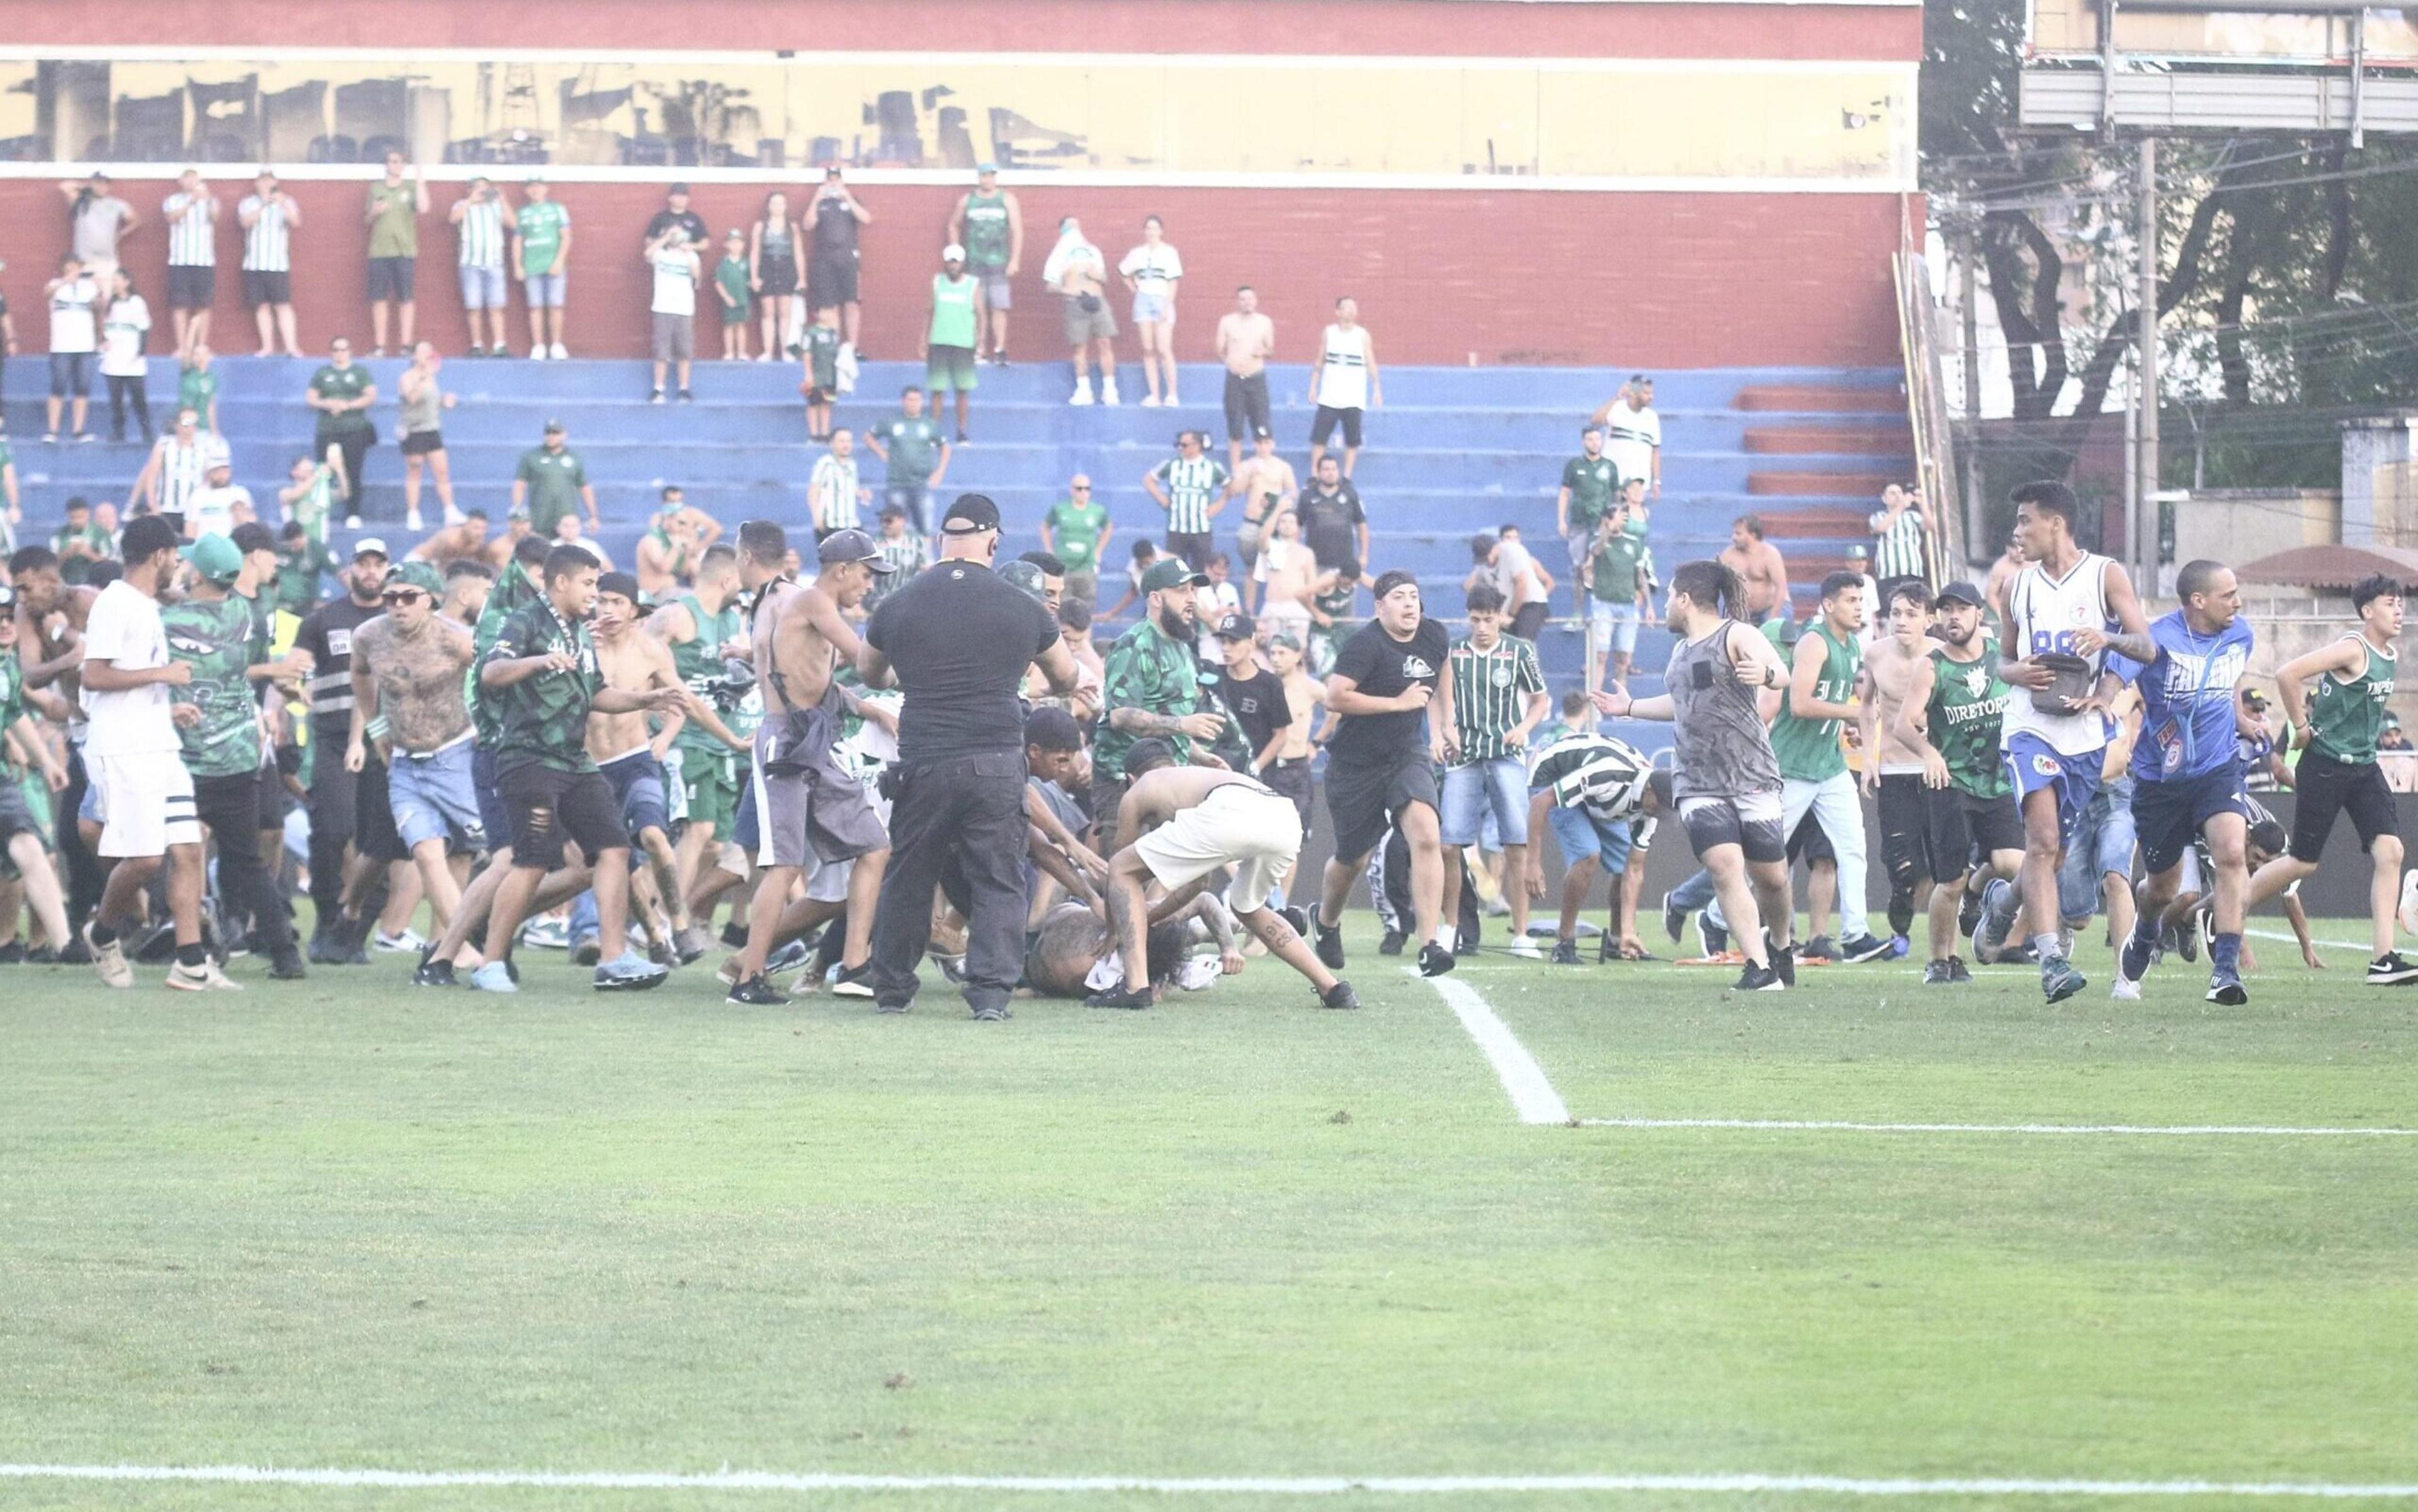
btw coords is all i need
(1960, 591)
(677, 188)
(621, 583)
(971, 514)
(850, 545)
(1235, 625)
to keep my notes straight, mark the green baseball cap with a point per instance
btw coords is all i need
(215, 557)
(416, 574)
(1172, 572)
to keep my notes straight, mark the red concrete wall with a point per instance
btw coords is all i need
(1669, 281)
(1314, 27)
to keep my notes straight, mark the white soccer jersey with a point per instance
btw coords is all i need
(1343, 368)
(2043, 614)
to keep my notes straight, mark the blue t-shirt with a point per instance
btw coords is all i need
(2188, 728)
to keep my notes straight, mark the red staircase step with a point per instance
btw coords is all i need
(1821, 399)
(1816, 523)
(1823, 484)
(1870, 440)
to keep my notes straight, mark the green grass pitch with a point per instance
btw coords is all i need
(347, 1223)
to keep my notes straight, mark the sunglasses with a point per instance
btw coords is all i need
(1079, 488)
(402, 596)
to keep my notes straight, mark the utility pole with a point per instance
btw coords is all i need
(2144, 464)
(1976, 509)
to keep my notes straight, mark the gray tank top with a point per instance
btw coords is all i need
(425, 412)
(1722, 749)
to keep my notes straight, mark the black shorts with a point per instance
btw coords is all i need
(70, 374)
(1959, 821)
(779, 275)
(275, 802)
(2328, 788)
(374, 832)
(262, 287)
(421, 443)
(1363, 799)
(1322, 425)
(1194, 549)
(1247, 405)
(1750, 822)
(1292, 778)
(547, 807)
(1530, 620)
(191, 288)
(1905, 814)
(1810, 843)
(831, 279)
(390, 278)
(2167, 816)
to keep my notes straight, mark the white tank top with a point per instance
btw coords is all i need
(2042, 613)
(1343, 368)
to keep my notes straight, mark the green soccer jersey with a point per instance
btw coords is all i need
(543, 717)
(196, 389)
(987, 232)
(515, 590)
(2346, 718)
(914, 443)
(217, 641)
(1490, 690)
(822, 356)
(1146, 669)
(332, 382)
(1075, 531)
(540, 225)
(953, 309)
(299, 571)
(77, 570)
(1808, 749)
(553, 480)
(1962, 719)
(699, 663)
(12, 691)
(1622, 565)
(1592, 481)
(731, 275)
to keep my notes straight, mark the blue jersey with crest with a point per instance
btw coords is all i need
(2188, 726)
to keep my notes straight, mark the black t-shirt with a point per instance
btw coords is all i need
(1330, 526)
(328, 636)
(1382, 667)
(835, 231)
(1258, 701)
(688, 221)
(959, 640)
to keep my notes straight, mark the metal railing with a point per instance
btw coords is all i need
(1926, 401)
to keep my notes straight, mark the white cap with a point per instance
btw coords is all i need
(952, 254)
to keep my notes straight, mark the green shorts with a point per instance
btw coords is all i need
(949, 367)
(711, 776)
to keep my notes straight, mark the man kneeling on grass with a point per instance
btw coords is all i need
(1185, 823)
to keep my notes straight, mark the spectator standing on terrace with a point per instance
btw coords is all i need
(1267, 487)
(1761, 570)
(197, 386)
(676, 213)
(1589, 482)
(673, 310)
(834, 497)
(1152, 271)
(1504, 564)
(1191, 487)
(176, 468)
(950, 331)
(819, 360)
(97, 222)
(552, 483)
(1080, 273)
(989, 224)
(75, 298)
(1333, 523)
(422, 437)
(1245, 340)
(480, 220)
(1343, 382)
(342, 393)
(1633, 432)
(1076, 531)
(193, 217)
(393, 213)
(7, 332)
(269, 217)
(915, 455)
(1900, 528)
(541, 248)
(1620, 579)
(830, 275)
(772, 271)
(123, 329)
(733, 297)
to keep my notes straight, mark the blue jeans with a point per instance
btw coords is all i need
(434, 796)
(1692, 894)
(916, 500)
(2101, 845)
(1498, 786)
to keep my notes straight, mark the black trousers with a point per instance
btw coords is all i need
(966, 813)
(122, 393)
(356, 446)
(86, 874)
(230, 807)
(333, 804)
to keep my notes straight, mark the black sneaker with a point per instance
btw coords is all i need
(757, 992)
(786, 958)
(1958, 973)
(996, 1013)
(2225, 987)
(686, 397)
(585, 952)
(1675, 920)
(1435, 960)
(1759, 979)
(1936, 974)
(1339, 996)
(1331, 946)
(2390, 970)
(355, 940)
(13, 953)
(1296, 919)
(1820, 948)
(1710, 938)
(326, 950)
(286, 965)
(1120, 997)
(75, 951)
(734, 936)
(1862, 948)
(1566, 953)
(1784, 961)
(880, 1007)
(1393, 942)
(855, 984)
(434, 974)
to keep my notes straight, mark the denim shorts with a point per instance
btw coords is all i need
(1499, 785)
(546, 291)
(496, 819)
(1617, 622)
(436, 796)
(1584, 837)
(482, 288)
(1153, 306)
(2101, 845)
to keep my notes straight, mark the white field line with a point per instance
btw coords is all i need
(1533, 1097)
(748, 1480)
(2202, 1131)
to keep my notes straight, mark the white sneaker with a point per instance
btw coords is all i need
(1109, 389)
(2410, 901)
(2124, 991)
(352, 522)
(1083, 394)
(110, 961)
(537, 352)
(560, 352)
(1150, 401)
(206, 977)
(411, 521)
(1526, 948)
(406, 942)
(453, 514)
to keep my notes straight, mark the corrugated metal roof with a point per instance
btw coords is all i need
(2331, 567)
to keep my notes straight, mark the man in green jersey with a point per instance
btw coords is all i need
(79, 543)
(911, 448)
(341, 394)
(541, 248)
(1620, 584)
(989, 224)
(302, 564)
(1152, 687)
(20, 830)
(1498, 700)
(197, 387)
(1824, 672)
(551, 483)
(1076, 531)
(1589, 481)
(710, 754)
(212, 631)
(950, 335)
(1949, 719)
(820, 385)
(2336, 734)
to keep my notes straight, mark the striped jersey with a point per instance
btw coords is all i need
(269, 241)
(1584, 770)
(1343, 368)
(1192, 484)
(1630, 438)
(483, 233)
(193, 241)
(905, 555)
(1490, 690)
(831, 493)
(1897, 547)
(183, 470)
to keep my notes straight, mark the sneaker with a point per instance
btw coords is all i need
(2125, 991)
(1968, 909)
(434, 974)
(352, 522)
(686, 397)
(690, 944)
(206, 977)
(2189, 933)
(1936, 974)
(1120, 997)
(2059, 980)
(963, 439)
(2133, 958)
(286, 965)
(788, 957)
(734, 935)
(1393, 942)
(110, 961)
(1109, 390)
(1150, 401)
(407, 939)
(757, 992)
(1675, 920)
(559, 352)
(2225, 987)
(1987, 942)
(1435, 960)
(2390, 970)
(1339, 996)
(1296, 918)
(546, 934)
(537, 352)
(495, 976)
(996, 1013)
(1566, 953)
(1711, 937)
(1958, 973)
(584, 951)
(88, 437)
(1864, 948)
(1819, 951)
(1083, 394)
(453, 514)
(411, 521)
(1759, 979)
(49, 437)
(1524, 948)
(13, 953)
(477, 350)
(630, 972)
(1331, 946)
(1784, 960)
(854, 984)
(654, 396)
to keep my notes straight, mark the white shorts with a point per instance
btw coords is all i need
(146, 803)
(828, 882)
(1256, 831)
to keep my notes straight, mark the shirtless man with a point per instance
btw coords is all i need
(1892, 767)
(50, 650)
(669, 551)
(1289, 773)
(812, 816)
(499, 551)
(467, 539)
(1758, 565)
(2003, 572)
(1245, 340)
(1187, 823)
(1267, 487)
(1071, 941)
(408, 699)
(631, 758)
(1289, 577)
(705, 632)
